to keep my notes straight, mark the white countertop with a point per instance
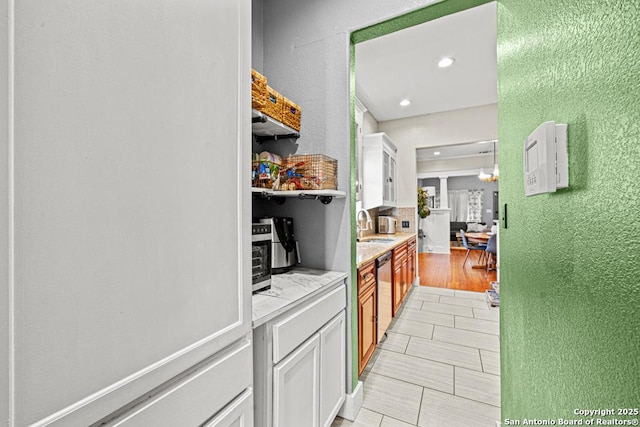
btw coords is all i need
(290, 289)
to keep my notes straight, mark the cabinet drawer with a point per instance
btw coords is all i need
(411, 244)
(399, 253)
(292, 331)
(238, 413)
(192, 399)
(366, 276)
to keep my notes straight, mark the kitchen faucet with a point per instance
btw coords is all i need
(367, 223)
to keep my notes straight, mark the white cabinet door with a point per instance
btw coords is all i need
(296, 386)
(129, 180)
(238, 414)
(392, 181)
(332, 368)
(386, 174)
(379, 171)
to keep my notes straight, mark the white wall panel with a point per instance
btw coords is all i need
(131, 148)
(6, 286)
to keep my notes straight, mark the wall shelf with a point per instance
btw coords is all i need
(325, 196)
(265, 128)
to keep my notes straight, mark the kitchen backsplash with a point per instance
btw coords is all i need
(400, 215)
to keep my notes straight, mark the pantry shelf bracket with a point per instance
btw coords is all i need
(261, 138)
(325, 200)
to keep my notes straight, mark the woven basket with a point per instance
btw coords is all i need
(309, 172)
(258, 90)
(273, 104)
(291, 113)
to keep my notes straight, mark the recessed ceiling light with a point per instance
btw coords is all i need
(446, 62)
(436, 153)
(405, 102)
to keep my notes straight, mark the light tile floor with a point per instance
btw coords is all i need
(439, 365)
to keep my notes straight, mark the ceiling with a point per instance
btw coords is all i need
(404, 64)
(481, 148)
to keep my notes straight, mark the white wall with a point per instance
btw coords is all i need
(306, 56)
(451, 127)
(462, 163)
(257, 47)
(370, 124)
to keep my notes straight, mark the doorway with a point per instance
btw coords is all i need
(437, 328)
(468, 174)
(421, 104)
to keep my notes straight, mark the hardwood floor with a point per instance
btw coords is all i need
(446, 271)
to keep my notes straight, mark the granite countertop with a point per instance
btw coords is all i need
(290, 289)
(366, 250)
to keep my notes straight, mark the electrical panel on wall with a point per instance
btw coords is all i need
(546, 163)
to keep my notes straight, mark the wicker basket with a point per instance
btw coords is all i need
(273, 104)
(291, 113)
(258, 90)
(309, 172)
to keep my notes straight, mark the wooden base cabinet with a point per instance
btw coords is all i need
(300, 364)
(400, 276)
(411, 263)
(367, 327)
(367, 314)
(398, 279)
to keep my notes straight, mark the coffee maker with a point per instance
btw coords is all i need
(285, 252)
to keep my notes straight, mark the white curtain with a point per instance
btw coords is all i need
(475, 205)
(459, 204)
(466, 205)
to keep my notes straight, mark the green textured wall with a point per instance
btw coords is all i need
(570, 261)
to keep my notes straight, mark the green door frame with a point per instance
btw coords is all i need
(417, 17)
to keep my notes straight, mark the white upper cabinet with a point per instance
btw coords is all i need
(379, 171)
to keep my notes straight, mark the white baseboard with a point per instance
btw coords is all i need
(352, 403)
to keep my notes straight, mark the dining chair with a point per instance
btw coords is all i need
(479, 247)
(491, 250)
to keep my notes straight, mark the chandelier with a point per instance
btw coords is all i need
(493, 176)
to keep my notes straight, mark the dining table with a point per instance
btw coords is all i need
(478, 237)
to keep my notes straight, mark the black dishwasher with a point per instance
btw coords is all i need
(385, 303)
